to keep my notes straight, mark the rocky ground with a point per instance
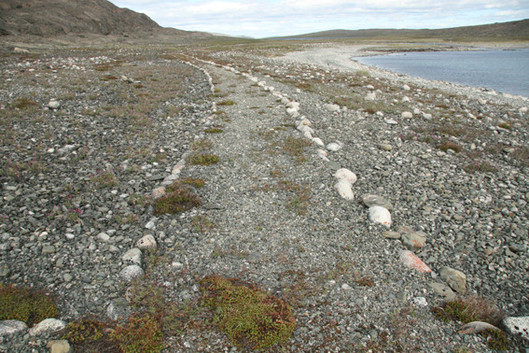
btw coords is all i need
(88, 135)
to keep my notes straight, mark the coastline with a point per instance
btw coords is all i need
(338, 57)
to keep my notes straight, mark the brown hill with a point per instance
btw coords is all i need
(57, 17)
(514, 30)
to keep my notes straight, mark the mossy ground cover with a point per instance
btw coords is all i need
(253, 319)
(26, 304)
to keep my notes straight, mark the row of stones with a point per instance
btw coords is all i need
(379, 208)
(132, 259)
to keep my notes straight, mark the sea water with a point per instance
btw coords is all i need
(500, 70)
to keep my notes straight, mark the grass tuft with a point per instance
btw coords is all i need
(449, 145)
(178, 199)
(23, 103)
(252, 318)
(471, 309)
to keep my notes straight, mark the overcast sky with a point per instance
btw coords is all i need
(267, 18)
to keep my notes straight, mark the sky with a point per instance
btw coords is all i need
(269, 18)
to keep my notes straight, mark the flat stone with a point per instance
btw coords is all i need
(391, 235)
(334, 146)
(151, 224)
(413, 240)
(385, 147)
(443, 290)
(318, 141)
(103, 237)
(59, 346)
(517, 326)
(371, 96)
(130, 272)
(332, 108)
(380, 215)
(147, 242)
(390, 121)
(371, 200)
(48, 249)
(455, 279)
(11, 327)
(407, 115)
(47, 326)
(54, 104)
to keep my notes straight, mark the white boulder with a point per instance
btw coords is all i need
(346, 174)
(343, 187)
(380, 215)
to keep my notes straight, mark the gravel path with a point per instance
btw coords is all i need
(270, 212)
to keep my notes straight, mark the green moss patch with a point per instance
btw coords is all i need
(252, 318)
(25, 304)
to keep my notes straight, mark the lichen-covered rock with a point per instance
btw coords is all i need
(411, 260)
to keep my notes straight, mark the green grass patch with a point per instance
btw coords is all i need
(25, 304)
(252, 318)
(213, 130)
(194, 182)
(202, 159)
(226, 102)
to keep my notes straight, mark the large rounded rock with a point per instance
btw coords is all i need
(346, 174)
(59, 346)
(132, 256)
(380, 215)
(11, 327)
(130, 272)
(47, 326)
(517, 326)
(343, 187)
(455, 279)
(147, 242)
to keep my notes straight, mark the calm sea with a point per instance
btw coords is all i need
(500, 70)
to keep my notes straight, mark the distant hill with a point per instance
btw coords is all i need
(515, 30)
(49, 18)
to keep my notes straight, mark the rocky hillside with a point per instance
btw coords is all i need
(56, 17)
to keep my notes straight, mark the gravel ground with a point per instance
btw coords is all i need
(456, 169)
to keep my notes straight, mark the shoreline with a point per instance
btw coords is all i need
(338, 57)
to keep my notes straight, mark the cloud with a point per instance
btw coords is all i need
(284, 17)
